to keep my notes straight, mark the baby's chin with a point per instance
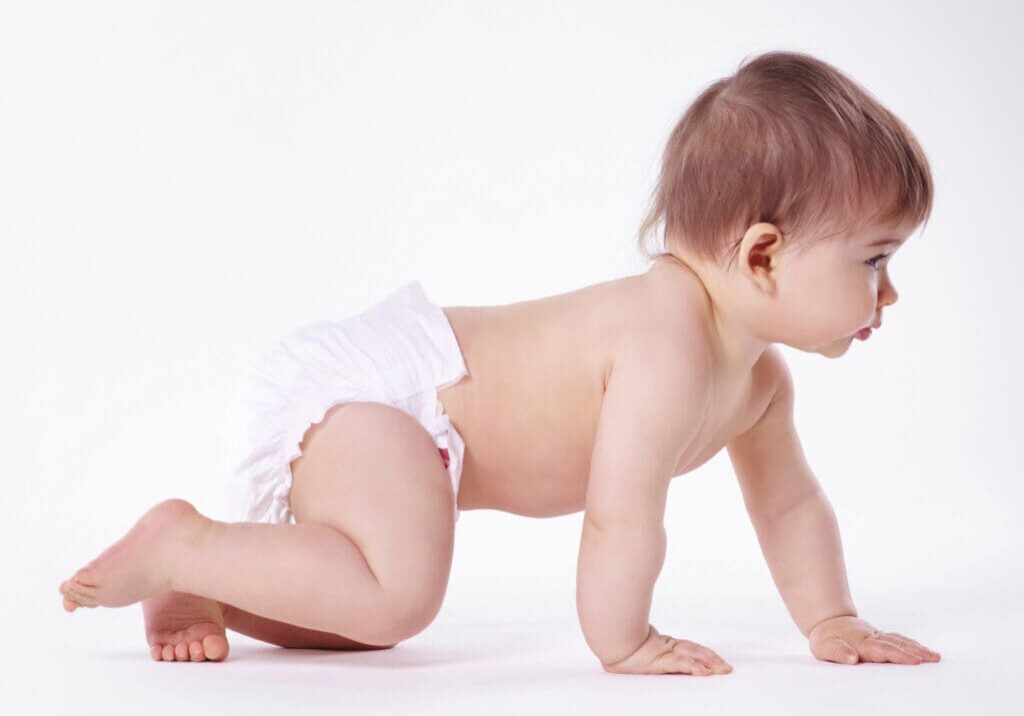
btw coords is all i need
(837, 348)
(831, 349)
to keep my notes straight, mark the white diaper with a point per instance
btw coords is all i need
(400, 351)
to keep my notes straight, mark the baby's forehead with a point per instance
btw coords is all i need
(880, 237)
(882, 234)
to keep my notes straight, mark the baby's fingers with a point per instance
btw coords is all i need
(835, 649)
(712, 660)
(673, 663)
(914, 647)
(702, 655)
(879, 650)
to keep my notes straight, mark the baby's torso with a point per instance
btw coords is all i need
(528, 409)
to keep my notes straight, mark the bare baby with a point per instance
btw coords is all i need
(785, 189)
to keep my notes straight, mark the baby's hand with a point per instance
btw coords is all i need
(661, 654)
(847, 640)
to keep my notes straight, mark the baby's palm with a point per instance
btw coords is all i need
(663, 654)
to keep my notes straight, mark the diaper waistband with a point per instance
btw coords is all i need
(433, 348)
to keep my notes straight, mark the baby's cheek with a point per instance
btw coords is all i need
(857, 296)
(868, 305)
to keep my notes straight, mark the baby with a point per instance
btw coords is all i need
(785, 189)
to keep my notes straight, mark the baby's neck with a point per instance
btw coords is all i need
(736, 345)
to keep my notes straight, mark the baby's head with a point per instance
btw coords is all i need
(775, 183)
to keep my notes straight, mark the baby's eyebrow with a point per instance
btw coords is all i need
(883, 242)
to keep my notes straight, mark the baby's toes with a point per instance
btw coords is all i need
(83, 587)
(85, 577)
(167, 653)
(156, 651)
(215, 647)
(195, 651)
(181, 651)
(70, 605)
(85, 596)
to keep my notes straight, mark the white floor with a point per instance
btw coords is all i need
(502, 656)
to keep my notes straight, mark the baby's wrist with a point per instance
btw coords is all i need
(844, 615)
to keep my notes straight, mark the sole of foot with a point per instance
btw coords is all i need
(184, 627)
(140, 564)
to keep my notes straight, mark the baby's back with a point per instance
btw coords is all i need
(528, 410)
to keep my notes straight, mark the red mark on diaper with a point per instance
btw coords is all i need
(444, 456)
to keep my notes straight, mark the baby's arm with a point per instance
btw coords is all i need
(799, 536)
(790, 513)
(653, 405)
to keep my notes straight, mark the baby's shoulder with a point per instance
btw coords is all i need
(668, 312)
(660, 331)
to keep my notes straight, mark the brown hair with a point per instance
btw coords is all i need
(791, 140)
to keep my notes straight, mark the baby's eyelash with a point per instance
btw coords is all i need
(875, 258)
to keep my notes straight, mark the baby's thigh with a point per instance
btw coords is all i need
(374, 473)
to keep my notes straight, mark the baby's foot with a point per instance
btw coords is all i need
(141, 563)
(184, 627)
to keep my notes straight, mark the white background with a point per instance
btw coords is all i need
(183, 182)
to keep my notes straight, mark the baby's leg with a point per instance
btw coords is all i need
(288, 635)
(371, 470)
(186, 627)
(308, 574)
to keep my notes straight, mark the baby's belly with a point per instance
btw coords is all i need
(527, 450)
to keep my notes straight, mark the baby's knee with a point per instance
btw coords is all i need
(410, 614)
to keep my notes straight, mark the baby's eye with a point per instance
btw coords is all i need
(875, 258)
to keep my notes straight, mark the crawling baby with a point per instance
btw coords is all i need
(785, 189)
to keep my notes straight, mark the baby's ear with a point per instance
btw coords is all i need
(759, 250)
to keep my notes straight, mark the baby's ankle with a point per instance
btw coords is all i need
(193, 530)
